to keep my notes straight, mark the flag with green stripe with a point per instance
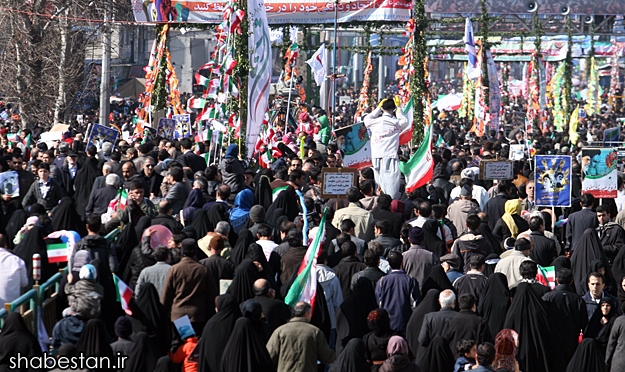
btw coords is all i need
(57, 252)
(304, 288)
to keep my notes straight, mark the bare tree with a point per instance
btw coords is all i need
(42, 63)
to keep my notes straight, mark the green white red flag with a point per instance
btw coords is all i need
(419, 170)
(124, 294)
(304, 287)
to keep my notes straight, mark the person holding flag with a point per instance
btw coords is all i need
(385, 124)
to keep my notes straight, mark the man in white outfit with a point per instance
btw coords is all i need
(386, 124)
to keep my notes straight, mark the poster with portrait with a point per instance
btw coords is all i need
(355, 142)
(165, 128)
(552, 180)
(101, 134)
(10, 183)
(183, 126)
(599, 173)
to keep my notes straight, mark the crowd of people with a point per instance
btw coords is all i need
(445, 278)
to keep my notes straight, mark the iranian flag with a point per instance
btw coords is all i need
(275, 192)
(420, 168)
(124, 294)
(120, 201)
(547, 276)
(197, 103)
(201, 80)
(57, 252)
(304, 287)
(406, 135)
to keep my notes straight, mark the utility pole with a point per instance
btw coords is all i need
(105, 81)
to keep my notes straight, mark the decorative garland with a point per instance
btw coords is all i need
(161, 87)
(485, 46)
(419, 80)
(558, 100)
(534, 106)
(593, 101)
(614, 76)
(467, 106)
(533, 92)
(364, 99)
(404, 75)
(242, 71)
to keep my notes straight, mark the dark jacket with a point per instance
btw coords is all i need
(396, 220)
(468, 245)
(345, 270)
(577, 224)
(434, 324)
(591, 305)
(193, 161)
(99, 248)
(51, 200)
(64, 178)
(100, 199)
(169, 222)
(290, 262)
(177, 195)
(232, 171)
(152, 184)
(544, 251)
(387, 241)
(275, 311)
(467, 325)
(612, 238)
(372, 273)
(495, 208)
(502, 231)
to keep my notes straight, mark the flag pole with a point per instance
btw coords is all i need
(288, 103)
(335, 55)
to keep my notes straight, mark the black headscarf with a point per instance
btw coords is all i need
(32, 243)
(288, 201)
(594, 328)
(262, 193)
(255, 253)
(561, 262)
(431, 241)
(321, 316)
(216, 334)
(153, 317)
(110, 308)
(15, 223)
(244, 277)
(85, 177)
(94, 341)
(65, 217)
(351, 317)
(143, 356)
(587, 249)
(218, 213)
(487, 233)
(437, 280)
(245, 350)
(201, 224)
(239, 251)
(528, 317)
(494, 302)
(16, 338)
(252, 310)
(437, 356)
(376, 341)
(352, 359)
(126, 241)
(413, 328)
(589, 356)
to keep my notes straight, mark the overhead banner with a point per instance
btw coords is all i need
(584, 7)
(356, 145)
(599, 174)
(552, 181)
(259, 78)
(278, 12)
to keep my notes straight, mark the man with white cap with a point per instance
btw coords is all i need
(479, 193)
(385, 124)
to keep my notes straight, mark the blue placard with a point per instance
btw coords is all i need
(166, 128)
(183, 126)
(101, 134)
(552, 181)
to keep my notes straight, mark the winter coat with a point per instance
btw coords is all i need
(84, 298)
